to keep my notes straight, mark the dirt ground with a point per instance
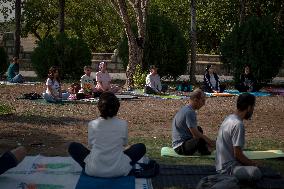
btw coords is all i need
(47, 128)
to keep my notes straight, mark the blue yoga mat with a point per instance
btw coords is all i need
(253, 93)
(88, 182)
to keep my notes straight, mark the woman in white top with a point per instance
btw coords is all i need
(153, 82)
(107, 138)
(103, 80)
(53, 91)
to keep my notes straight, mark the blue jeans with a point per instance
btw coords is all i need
(17, 79)
(50, 98)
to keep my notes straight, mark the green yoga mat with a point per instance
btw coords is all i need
(268, 154)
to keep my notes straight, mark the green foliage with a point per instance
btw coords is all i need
(164, 47)
(257, 44)
(5, 109)
(90, 20)
(3, 61)
(40, 17)
(70, 54)
(94, 21)
(139, 77)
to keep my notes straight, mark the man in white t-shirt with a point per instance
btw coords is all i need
(230, 158)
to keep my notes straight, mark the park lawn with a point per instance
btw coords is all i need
(154, 146)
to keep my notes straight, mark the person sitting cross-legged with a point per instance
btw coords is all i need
(230, 158)
(211, 81)
(187, 137)
(153, 82)
(107, 138)
(13, 74)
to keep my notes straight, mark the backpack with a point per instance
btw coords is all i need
(30, 96)
(218, 182)
(147, 170)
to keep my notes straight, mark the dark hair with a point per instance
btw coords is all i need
(108, 105)
(208, 66)
(51, 72)
(247, 65)
(245, 100)
(152, 67)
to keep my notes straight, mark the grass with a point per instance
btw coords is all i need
(5, 109)
(154, 146)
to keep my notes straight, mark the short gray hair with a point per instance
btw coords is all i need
(197, 94)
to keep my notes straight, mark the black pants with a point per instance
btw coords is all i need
(190, 146)
(7, 161)
(243, 88)
(149, 90)
(79, 152)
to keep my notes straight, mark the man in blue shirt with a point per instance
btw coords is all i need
(187, 137)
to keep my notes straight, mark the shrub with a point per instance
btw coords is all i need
(5, 109)
(164, 46)
(70, 54)
(3, 61)
(257, 44)
(139, 77)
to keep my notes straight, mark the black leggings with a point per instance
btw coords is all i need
(7, 161)
(190, 146)
(79, 152)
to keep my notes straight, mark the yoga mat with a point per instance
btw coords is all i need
(165, 96)
(125, 97)
(169, 152)
(268, 154)
(41, 172)
(25, 83)
(259, 94)
(219, 94)
(87, 182)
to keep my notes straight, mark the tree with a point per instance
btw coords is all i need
(255, 43)
(18, 28)
(135, 45)
(193, 41)
(40, 18)
(61, 15)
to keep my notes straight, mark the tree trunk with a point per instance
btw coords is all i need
(193, 42)
(18, 28)
(135, 45)
(61, 15)
(242, 11)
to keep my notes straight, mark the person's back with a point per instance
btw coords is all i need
(107, 158)
(107, 137)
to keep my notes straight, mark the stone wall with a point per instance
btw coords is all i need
(116, 67)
